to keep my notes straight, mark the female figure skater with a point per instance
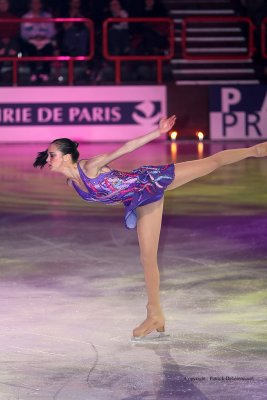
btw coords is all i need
(141, 191)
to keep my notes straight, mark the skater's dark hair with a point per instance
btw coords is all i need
(66, 146)
(40, 160)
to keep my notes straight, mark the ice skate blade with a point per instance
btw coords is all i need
(152, 338)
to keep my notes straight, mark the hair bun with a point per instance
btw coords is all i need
(76, 144)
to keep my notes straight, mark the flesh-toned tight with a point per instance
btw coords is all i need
(149, 225)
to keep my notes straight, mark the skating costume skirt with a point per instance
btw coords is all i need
(136, 188)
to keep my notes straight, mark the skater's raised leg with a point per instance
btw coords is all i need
(190, 170)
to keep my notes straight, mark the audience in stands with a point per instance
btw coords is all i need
(118, 40)
(8, 31)
(75, 35)
(38, 40)
(118, 34)
(151, 38)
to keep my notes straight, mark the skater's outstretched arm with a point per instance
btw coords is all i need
(98, 162)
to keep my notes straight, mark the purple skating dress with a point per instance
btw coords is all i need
(137, 188)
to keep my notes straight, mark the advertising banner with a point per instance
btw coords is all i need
(238, 112)
(91, 113)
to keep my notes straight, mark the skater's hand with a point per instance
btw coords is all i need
(165, 124)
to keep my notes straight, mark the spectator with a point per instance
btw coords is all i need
(75, 37)
(118, 35)
(37, 39)
(8, 31)
(154, 34)
(118, 40)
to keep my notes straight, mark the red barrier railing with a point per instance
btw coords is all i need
(218, 56)
(70, 59)
(263, 37)
(159, 59)
(129, 57)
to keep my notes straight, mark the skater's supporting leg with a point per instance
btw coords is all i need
(148, 229)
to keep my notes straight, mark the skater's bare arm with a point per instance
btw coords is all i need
(97, 163)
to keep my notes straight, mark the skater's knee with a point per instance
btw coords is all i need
(148, 258)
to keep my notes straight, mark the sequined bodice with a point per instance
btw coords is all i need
(108, 187)
(137, 188)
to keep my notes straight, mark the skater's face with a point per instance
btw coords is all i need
(55, 159)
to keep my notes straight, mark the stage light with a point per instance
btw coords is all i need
(200, 149)
(174, 151)
(173, 136)
(200, 136)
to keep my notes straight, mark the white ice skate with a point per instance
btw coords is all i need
(154, 337)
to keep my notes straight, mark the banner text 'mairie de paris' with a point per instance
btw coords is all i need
(89, 114)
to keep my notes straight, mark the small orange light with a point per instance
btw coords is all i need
(200, 149)
(174, 149)
(200, 135)
(173, 135)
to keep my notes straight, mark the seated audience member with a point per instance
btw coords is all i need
(37, 39)
(154, 35)
(118, 39)
(118, 35)
(75, 35)
(8, 31)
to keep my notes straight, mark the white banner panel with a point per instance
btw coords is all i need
(92, 113)
(238, 112)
